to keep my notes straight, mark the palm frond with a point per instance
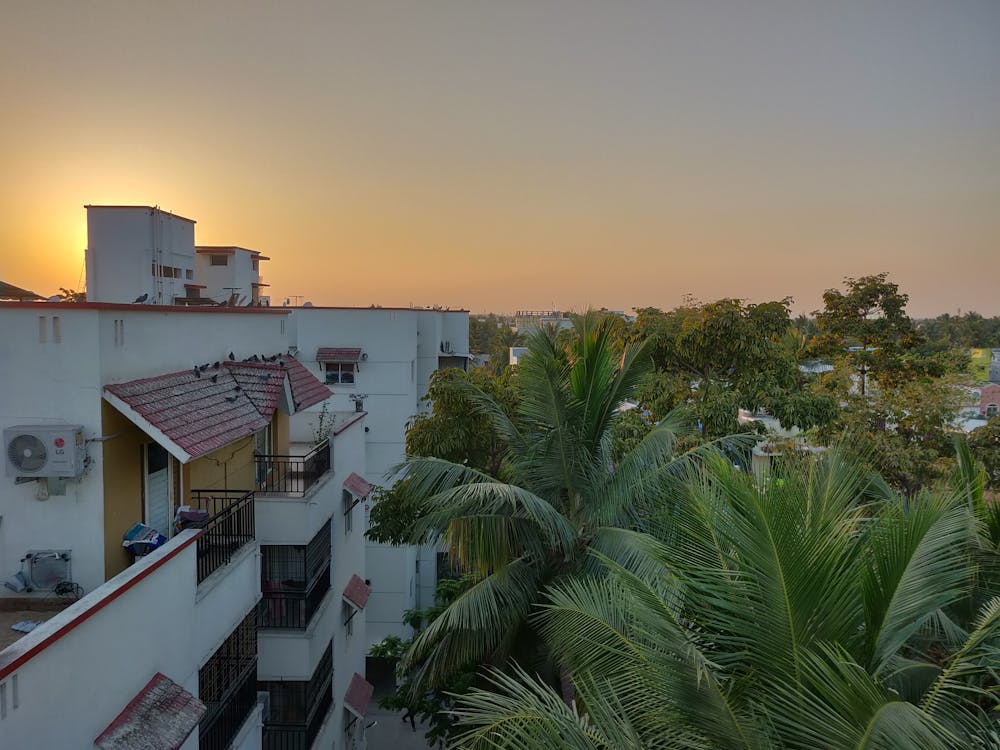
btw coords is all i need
(839, 704)
(956, 697)
(916, 562)
(472, 628)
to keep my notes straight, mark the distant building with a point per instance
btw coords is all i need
(530, 320)
(989, 401)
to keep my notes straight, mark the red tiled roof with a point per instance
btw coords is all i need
(357, 592)
(335, 354)
(357, 485)
(261, 382)
(358, 696)
(160, 717)
(307, 390)
(192, 414)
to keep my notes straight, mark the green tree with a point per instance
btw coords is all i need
(564, 494)
(793, 614)
(730, 355)
(867, 325)
(453, 430)
(985, 444)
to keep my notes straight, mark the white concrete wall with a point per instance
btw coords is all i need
(224, 599)
(294, 654)
(120, 253)
(158, 342)
(349, 559)
(295, 520)
(403, 349)
(52, 383)
(238, 272)
(71, 690)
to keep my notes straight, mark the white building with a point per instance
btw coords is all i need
(383, 359)
(139, 254)
(229, 274)
(218, 417)
(160, 411)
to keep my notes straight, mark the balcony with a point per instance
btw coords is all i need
(292, 475)
(227, 529)
(294, 580)
(298, 709)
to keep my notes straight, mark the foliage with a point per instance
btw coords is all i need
(451, 430)
(323, 424)
(985, 445)
(904, 430)
(867, 325)
(796, 614)
(562, 493)
(71, 295)
(433, 706)
(726, 355)
(962, 331)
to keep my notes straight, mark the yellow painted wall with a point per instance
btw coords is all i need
(230, 468)
(279, 433)
(122, 485)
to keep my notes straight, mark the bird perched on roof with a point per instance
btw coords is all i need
(197, 372)
(232, 357)
(139, 300)
(230, 399)
(237, 388)
(215, 366)
(215, 377)
(204, 367)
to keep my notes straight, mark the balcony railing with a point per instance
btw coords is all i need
(228, 527)
(292, 609)
(298, 736)
(292, 475)
(221, 722)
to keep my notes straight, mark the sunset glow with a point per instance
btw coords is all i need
(497, 156)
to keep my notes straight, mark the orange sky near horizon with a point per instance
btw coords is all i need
(500, 156)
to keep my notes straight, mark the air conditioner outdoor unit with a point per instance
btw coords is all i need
(43, 569)
(38, 451)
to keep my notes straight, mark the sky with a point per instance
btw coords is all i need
(518, 154)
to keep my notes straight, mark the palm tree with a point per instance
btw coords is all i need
(783, 616)
(562, 496)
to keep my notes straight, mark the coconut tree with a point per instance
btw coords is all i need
(786, 615)
(564, 492)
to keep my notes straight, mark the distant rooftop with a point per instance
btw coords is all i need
(147, 208)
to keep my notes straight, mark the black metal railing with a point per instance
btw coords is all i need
(292, 609)
(298, 709)
(228, 526)
(292, 475)
(298, 736)
(219, 725)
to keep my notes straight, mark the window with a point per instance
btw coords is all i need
(348, 612)
(339, 373)
(992, 410)
(42, 330)
(119, 328)
(56, 330)
(349, 502)
(189, 275)
(218, 260)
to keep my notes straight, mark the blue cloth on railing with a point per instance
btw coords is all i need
(142, 539)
